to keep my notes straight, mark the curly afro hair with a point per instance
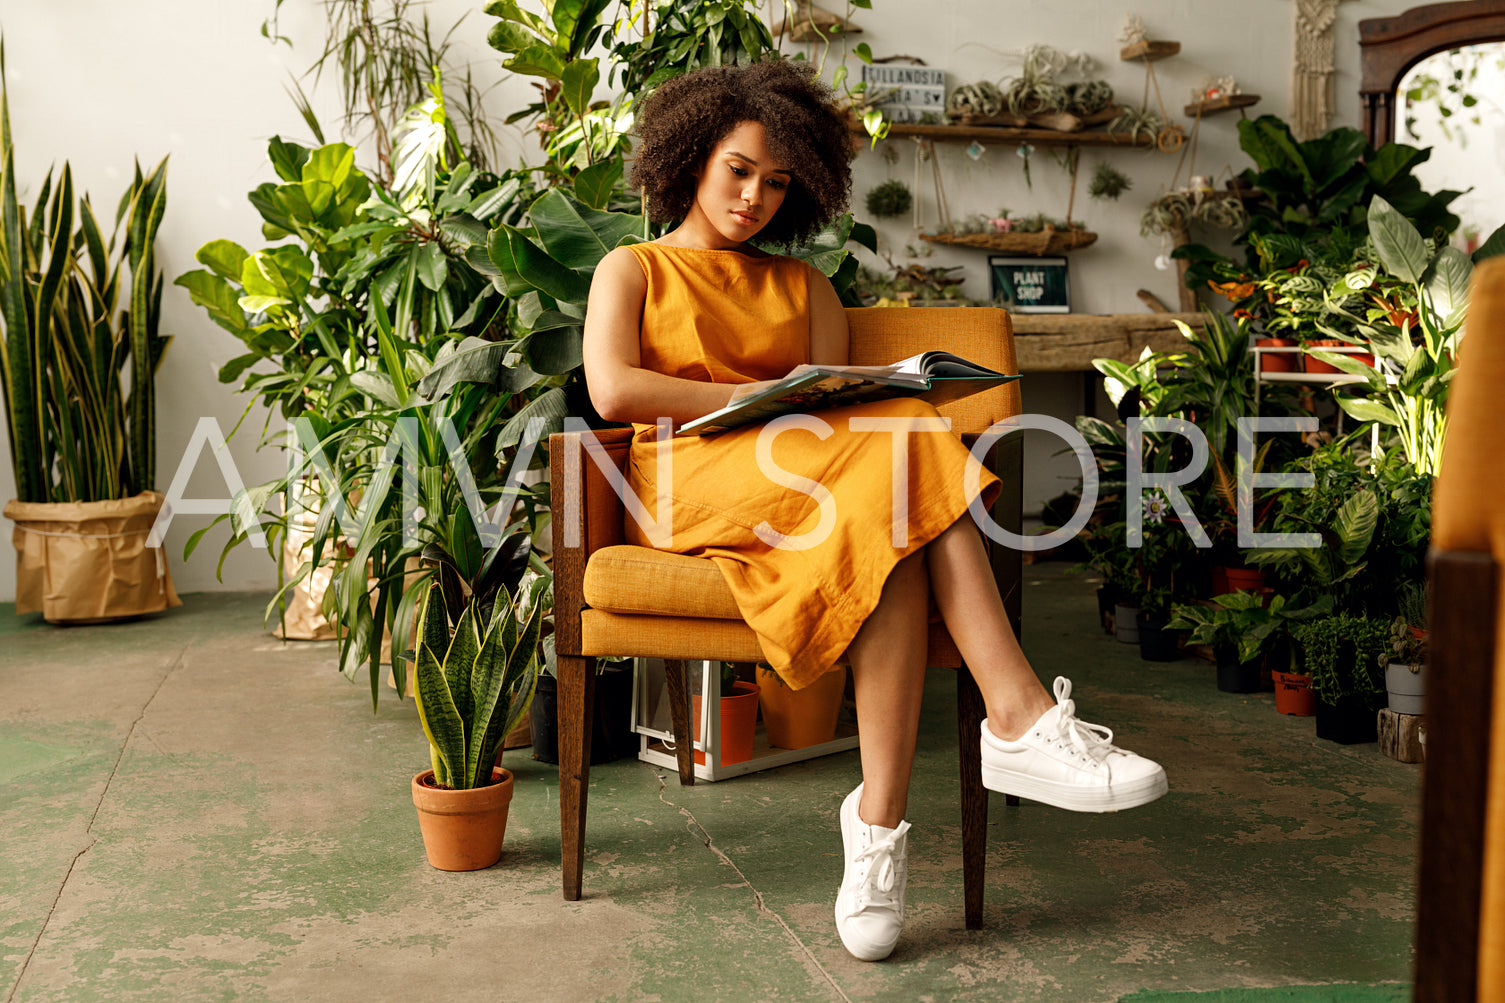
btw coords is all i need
(687, 116)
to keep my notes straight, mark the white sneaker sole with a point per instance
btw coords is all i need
(1072, 797)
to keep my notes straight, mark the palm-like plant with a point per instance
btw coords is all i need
(74, 321)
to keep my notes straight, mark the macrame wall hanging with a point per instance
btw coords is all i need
(1312, 86)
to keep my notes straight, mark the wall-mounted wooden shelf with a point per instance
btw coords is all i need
(1226, 103)
(1005, 134)
(1148, 51)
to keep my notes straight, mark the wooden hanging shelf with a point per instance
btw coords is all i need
(1226, 103)
(1148, 51)
(1004, 134)
(1055, 121)
(1041, 242)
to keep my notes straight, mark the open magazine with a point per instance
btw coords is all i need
(937, 377)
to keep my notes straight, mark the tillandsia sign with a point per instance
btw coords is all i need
(905, 93)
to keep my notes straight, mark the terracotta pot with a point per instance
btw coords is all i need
(1318, 366)
(1225, 579)
(463, 830)
(1293, 694)
(739, 721)
(798, 719)
(1277, 362)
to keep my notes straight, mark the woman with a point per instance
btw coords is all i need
(801, 522)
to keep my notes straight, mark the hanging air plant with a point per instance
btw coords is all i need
(892, 198)
(1108, 182)
(1088, 97)
(1137, 122)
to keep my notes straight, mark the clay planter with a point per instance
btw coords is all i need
(1405, 688)
(1277, 362)
(463, 830)
(739, 721)
(1226, 579)
(1293, 694)
(1318, 366)
(1126, 623)
(798, 719)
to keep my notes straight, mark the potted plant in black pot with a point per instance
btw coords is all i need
(612, 737)
(1341, 654)
(1246, 629)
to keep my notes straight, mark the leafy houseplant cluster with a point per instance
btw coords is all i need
(1344, 245)
(420, 330)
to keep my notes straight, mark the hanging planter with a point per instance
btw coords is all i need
(1046, 241)
(87, 562)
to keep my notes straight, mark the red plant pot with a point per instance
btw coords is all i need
(739, 722)
(1293, 694)
(1317, 365)
(1276, 362)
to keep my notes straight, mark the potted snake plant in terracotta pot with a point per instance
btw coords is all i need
(472, 685)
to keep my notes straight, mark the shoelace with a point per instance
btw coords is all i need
(1092, 741)
(876, 882)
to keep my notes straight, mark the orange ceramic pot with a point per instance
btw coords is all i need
(798, 719)
(1293, 694)
(739, 722)
(1277, 362)
(1317, 365)
(463, 830)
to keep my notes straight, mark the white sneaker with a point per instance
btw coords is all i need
(870, 904)
(1068, 763)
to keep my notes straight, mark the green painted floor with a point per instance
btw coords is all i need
(192, 810)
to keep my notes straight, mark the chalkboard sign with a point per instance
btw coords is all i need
(906, 93)
(1030, 285)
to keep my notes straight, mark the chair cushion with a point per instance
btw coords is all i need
(627, 579)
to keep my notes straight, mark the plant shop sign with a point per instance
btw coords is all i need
(906, 93)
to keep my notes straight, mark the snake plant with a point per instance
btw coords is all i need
(72, 321)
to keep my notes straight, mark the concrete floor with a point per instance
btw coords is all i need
(192, 810)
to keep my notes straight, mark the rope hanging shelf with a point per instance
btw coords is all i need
(1041, 242)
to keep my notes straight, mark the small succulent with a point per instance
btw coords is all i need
(1404, 647)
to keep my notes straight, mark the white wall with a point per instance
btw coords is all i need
(101, 83)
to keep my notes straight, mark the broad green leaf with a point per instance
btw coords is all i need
(378, 386)
(1365, 409)
(555, 352)
(216, 296)
(595, 184)
(261, 304)
(578, 82)
(431, 265)
(1447, 289)
(224, 258)
(1491, 247)
(1357, 520)
(499, 251)
(1400, 247)
(577, 236)
(552, 406)
(540, 271)
(536, 61)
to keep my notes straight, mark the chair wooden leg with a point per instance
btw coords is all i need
(974, 796)
(577, 700)
(678, 691)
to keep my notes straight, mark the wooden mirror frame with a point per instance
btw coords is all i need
(1390, 46)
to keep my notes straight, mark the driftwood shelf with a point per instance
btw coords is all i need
(1226, 103)
(1046, 241)
(1006, 134)
(1148, 51)
(1068, 342)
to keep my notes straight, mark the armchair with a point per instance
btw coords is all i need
(619, 600)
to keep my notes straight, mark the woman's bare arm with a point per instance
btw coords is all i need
(828, 324)
(620, 388)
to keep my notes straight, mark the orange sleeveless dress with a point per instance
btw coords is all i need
(727, 317)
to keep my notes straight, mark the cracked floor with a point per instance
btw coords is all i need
(191, 810)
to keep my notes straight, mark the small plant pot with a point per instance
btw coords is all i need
(1293, 694)
(1235, 676)
(1126, 623)
(1237, 580)
(463, 830)
(612, 737)
(1313, 365)
(798, 719)
(739, 722)
(1156, 644)
(1107, 596)
(1406, 689)
(1276, 362)
(1350, 721)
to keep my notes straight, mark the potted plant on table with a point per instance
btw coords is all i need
(78, 364)
(474, 673)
